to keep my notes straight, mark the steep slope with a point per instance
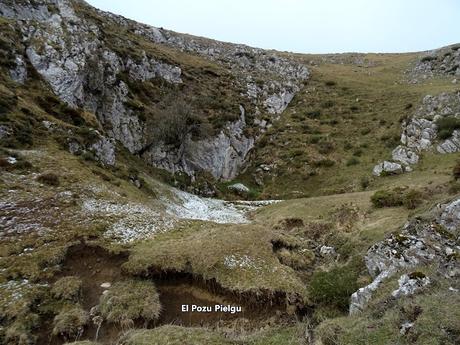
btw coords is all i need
(184, 104)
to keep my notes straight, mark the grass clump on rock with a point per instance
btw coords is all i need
(130, 300)
(68, 288)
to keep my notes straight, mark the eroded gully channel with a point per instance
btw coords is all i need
(95, 265)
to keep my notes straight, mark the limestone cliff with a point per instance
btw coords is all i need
(128, 74)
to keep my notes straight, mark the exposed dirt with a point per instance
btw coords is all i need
(95, 265)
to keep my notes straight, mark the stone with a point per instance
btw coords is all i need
(387, 167)
(450, 217)
(106, 285)
(327, 251)
(405, 155)
(450, 145)
(5, 131)
(409, 285)
(104, 150)
(405, 328)
(19, 73)
(239, 188)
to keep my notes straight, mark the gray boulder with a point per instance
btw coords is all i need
(239, 188)
(104, 150)
(387, 167)
(409, 284)
(450, 145)
(405, 155)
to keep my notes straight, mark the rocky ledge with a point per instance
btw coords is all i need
(433, 241)
(422, 133)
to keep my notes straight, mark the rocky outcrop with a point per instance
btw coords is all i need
(420, 133)
(439, 62)
(419, 243)
(74, 54)
(222, 155)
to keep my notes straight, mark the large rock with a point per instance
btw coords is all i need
(418, 134)
(450, 145)
(405, 155)
(388, 168)
(239, 188)
(409, 284)
(222, 155)
(104, 150)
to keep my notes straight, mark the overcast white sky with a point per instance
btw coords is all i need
(307, 26)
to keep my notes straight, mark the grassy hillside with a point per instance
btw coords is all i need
(339, 126)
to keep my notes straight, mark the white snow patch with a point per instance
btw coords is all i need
(191, 206)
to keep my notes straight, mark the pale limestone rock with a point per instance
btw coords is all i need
(387, 167)
(404, 155)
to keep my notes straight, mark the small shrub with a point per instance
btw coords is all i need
(397, 197)
(68, 288)
(330, 83)
(325, 147)
(130, 300)
(412, 199)
(334, 287)
(456, 170)
(313, 114)
(428, 58)
(70, 322)
(352, 161)
(323, 163)
(364, 182)
(446, 126)
(327, 104)
(50, 179)
(387, 198)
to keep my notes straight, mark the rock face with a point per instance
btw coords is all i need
(222, 155)
(420, 242)
(71, 46)
(444, 62)
(420, 132)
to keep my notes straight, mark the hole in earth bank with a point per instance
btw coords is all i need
(95, 265)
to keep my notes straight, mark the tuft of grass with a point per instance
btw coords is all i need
(130, 300)
(395, 197)
(49, 179)
(67, 288)
(334, 287)
(70, 322)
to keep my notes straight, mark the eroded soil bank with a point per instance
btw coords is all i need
(96, 266)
